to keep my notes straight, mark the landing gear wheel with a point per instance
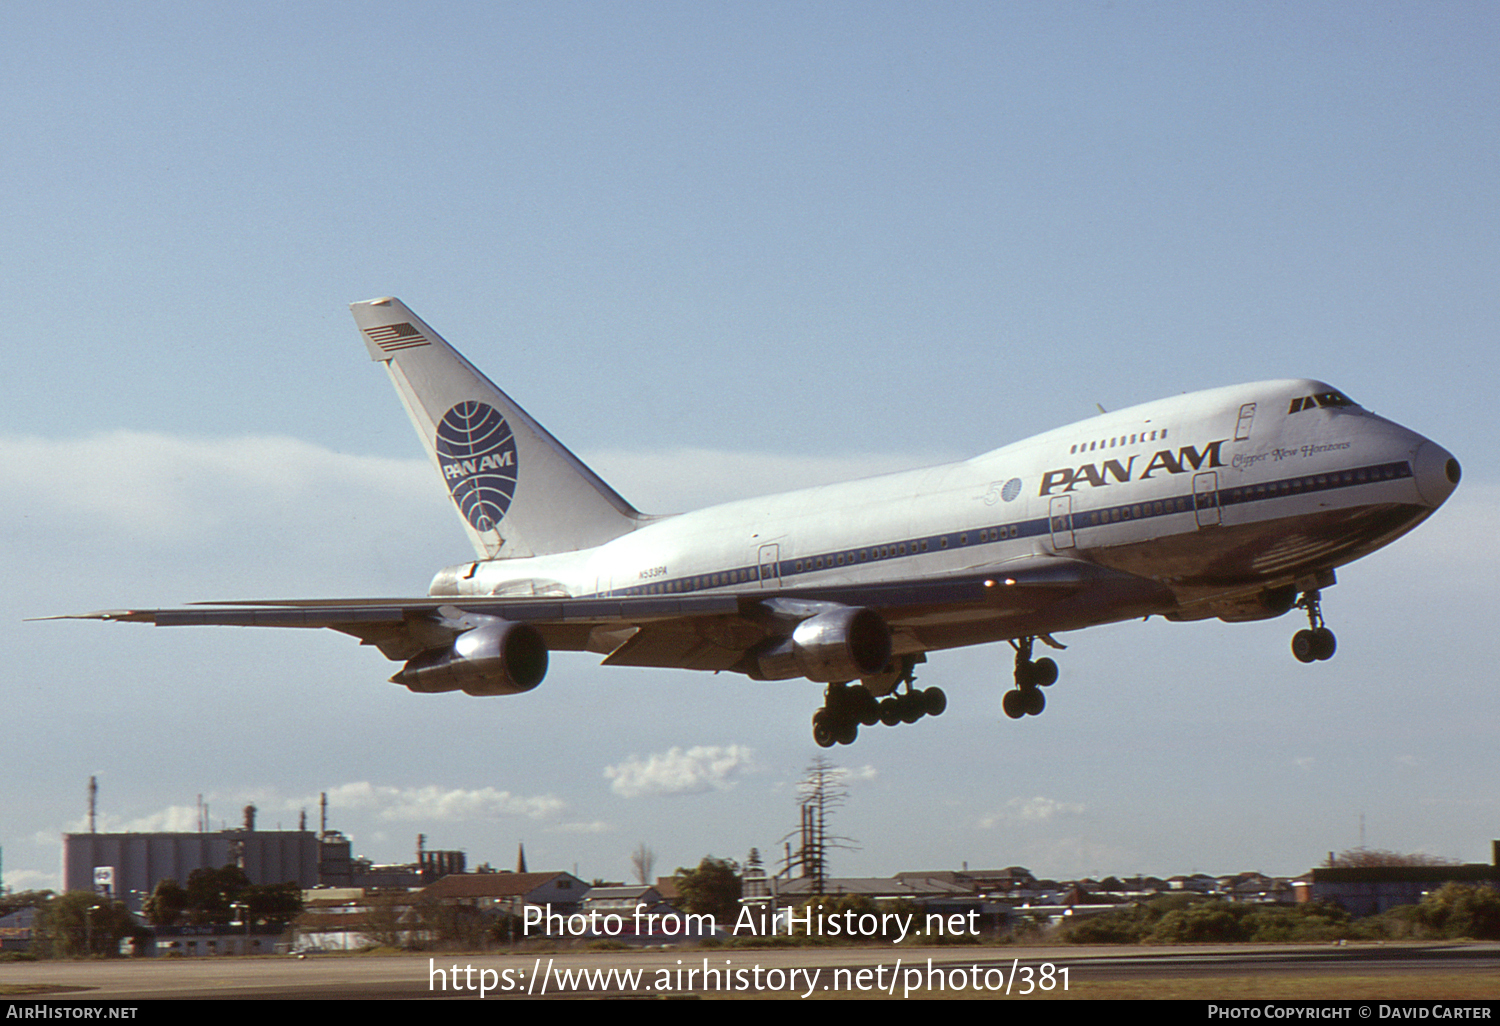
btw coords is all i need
(1014, 703)
(1035, 701)
(845, 732)
(912, 708)
(1317, 642)
(1044, 672)
(934, 701)
(823, 729)
(890, 711)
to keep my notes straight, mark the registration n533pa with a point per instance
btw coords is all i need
(1237, 503)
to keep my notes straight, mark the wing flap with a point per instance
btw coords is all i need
(716, 643)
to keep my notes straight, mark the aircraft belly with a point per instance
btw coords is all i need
(1104, 601)
(1278, 549)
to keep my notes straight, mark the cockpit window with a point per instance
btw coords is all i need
(1334, 399)
(1324, 399)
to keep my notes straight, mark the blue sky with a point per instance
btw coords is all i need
(720, 250)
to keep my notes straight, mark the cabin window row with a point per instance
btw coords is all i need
(1318, 482)
(1132, 512)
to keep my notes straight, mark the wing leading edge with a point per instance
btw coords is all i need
(691, 631)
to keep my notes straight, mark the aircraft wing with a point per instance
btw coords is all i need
(710, 631)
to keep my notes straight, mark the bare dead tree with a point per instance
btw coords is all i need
(642, 861)
(821, 791)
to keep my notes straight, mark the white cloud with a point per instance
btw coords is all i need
(172, 819)
(30, 880)
(354, 801)
(700, 768)
(161, 486)
(596, 827)
(441, 805)
(1030, 810)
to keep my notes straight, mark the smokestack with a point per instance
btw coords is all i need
(249, 819)
(302, 821)
(93, 800)
(322, 812)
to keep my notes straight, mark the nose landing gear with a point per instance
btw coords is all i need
(1317, 642)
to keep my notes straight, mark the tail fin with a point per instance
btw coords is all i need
(517, 489)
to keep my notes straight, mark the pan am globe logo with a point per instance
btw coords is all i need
(477, 451)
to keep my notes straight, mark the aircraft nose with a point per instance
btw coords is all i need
(1437, 473)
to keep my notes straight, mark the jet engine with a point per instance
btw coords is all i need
(836, 645)
(498, 658)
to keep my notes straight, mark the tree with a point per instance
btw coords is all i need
(714, 888)
(211, 895)
(1366, 858)
(383, 924)
(1462, 910)
(17, 900)
(211, 892)
(451, 925)
(166, 904)
(1188, 918)
(80, 924)
(273, 904)
(642, 862)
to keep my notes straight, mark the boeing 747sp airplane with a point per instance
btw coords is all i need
(1236, 503)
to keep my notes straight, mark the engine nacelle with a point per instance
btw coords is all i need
(836, 645)
(499, 658)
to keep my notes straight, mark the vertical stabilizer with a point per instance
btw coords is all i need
(518, 490)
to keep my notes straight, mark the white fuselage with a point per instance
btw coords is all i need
(1210, 495)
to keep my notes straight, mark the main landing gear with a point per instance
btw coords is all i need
(1317, 642)
(848, 706)
(1026, 699)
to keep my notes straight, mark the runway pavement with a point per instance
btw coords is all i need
(884, 971)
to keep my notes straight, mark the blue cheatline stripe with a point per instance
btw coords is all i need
(1081, 520)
